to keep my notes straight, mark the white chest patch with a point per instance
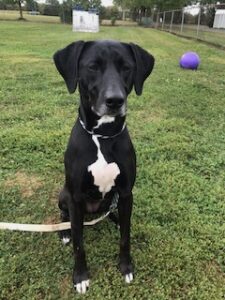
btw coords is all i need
(104, 173)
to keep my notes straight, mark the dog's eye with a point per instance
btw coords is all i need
(93, 67)
(126, 68)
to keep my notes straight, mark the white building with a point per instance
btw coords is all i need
(86, 21)
(219, 20)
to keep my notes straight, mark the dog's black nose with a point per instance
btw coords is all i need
(114, 103)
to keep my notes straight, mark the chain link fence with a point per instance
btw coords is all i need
(192, 22)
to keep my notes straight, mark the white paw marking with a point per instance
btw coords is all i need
(129, 277)
(82, 287)
(104, 173)
(65, 240)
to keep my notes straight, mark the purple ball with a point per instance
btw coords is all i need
(190, 60)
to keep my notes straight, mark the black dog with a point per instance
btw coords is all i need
(100, 161)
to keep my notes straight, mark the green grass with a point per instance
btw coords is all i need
(178, 129)
(206, 34)
(13, 15)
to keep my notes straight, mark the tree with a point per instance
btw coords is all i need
(163, 5)
(160, 5)
(31, 5)
(20, 9)
(138, 8)
(19, 3)
(51, 8)
(95, 4)
(205, 2)
(68, 5)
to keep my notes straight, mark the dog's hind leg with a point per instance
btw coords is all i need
(114, 219)
(64, 198)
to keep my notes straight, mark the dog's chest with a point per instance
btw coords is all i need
(104, 173)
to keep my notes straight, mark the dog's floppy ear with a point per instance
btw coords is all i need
(66, 61)
(144, 65)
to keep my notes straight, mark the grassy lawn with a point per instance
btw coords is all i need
(216, 36)
(206, 34)
(178, 129)
(13, 15)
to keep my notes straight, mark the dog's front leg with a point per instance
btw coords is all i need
(80, 273)
(125, 262)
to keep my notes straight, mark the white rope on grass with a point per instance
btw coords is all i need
(46, 227)
(59, 226)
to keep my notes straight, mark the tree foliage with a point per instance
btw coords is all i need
(84, 4)
(50, 7)
(68, 5)
(140, 8)
(31, 5)
(160, 5)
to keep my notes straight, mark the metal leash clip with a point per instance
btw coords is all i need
(114, 203)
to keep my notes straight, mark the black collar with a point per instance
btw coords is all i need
(100, 135)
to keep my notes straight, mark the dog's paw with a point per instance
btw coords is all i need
(66, 240)
(82, 286)
(127, 270)
(81, 282)
(129, 277)
(65, 236)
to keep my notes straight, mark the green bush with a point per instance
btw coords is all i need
(66, 14)
(211, 11)
(113, 21)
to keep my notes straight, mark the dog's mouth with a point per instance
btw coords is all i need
(116, 113)
(104, 111)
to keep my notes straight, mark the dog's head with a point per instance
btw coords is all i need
(105, 71)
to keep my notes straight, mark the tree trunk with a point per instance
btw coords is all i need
(20, 9)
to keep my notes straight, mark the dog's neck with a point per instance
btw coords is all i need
(106, 126)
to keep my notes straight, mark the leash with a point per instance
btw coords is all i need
(65, 225)
(59, 226)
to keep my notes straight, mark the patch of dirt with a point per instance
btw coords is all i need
(52, 219)
(27, 183)
(54, 197)
(66, 286)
